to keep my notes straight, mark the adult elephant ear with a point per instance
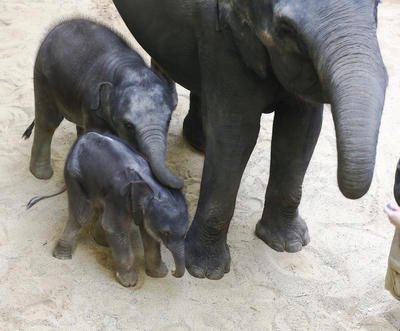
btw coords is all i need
(251, 50)
(101, 100)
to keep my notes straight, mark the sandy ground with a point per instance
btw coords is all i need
(335, 283)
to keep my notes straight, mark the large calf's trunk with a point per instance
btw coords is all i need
(152, 142)
(355, 80)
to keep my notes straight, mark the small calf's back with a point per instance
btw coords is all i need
(105, 163)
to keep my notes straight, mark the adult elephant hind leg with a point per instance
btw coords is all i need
(79, 213)
(295, 132)
(232, 131)
(47, 119)
(193, 124)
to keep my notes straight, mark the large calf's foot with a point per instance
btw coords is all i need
(41, 170)
(283, 235)
(127, 278)
(206, 259)
(62, 251)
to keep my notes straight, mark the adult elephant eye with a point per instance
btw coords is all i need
(284, 30)
(290, 38)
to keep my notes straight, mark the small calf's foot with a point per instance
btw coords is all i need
(157, 271)
(127, 278)
(284, 235)
(62, 251)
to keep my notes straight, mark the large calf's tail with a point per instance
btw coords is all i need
(35, 200)
(28, 131)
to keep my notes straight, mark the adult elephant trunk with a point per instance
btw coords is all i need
(178, 252)
(152, 142)
(355, 80)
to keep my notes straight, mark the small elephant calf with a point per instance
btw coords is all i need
(105, 176)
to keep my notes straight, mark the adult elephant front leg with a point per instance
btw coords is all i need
(231, 132)
(295, 132)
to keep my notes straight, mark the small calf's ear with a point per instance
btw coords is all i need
(101, 99)
(141, 193)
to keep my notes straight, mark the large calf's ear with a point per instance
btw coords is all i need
(101, 99)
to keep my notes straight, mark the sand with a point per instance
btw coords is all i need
(335, 283)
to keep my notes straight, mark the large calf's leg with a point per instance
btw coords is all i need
(117, 225)
(295, 132)
(47, 119)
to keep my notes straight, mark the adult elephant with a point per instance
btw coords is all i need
(240, 58)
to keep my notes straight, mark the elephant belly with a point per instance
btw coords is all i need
(171, 37)
(70, 113)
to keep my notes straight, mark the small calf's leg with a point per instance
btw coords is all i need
(117, 224)
(155, 267)
(79, 210)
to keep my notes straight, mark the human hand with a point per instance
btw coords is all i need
(393, 212)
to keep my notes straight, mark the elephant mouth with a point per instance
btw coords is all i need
(312, 92)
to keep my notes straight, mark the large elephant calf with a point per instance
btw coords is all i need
(86, 73)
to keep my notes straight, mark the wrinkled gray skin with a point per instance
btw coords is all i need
(121, 192)
(87, 74)
(242, 58)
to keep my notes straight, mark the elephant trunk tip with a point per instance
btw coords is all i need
(154, 150)
(354, 190)
(178, 253)
(167, 178)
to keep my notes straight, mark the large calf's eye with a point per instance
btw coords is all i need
(129, 126)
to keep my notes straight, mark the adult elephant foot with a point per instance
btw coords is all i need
(209, 259)
(295, 132)
(283, 235)
(193, 126)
